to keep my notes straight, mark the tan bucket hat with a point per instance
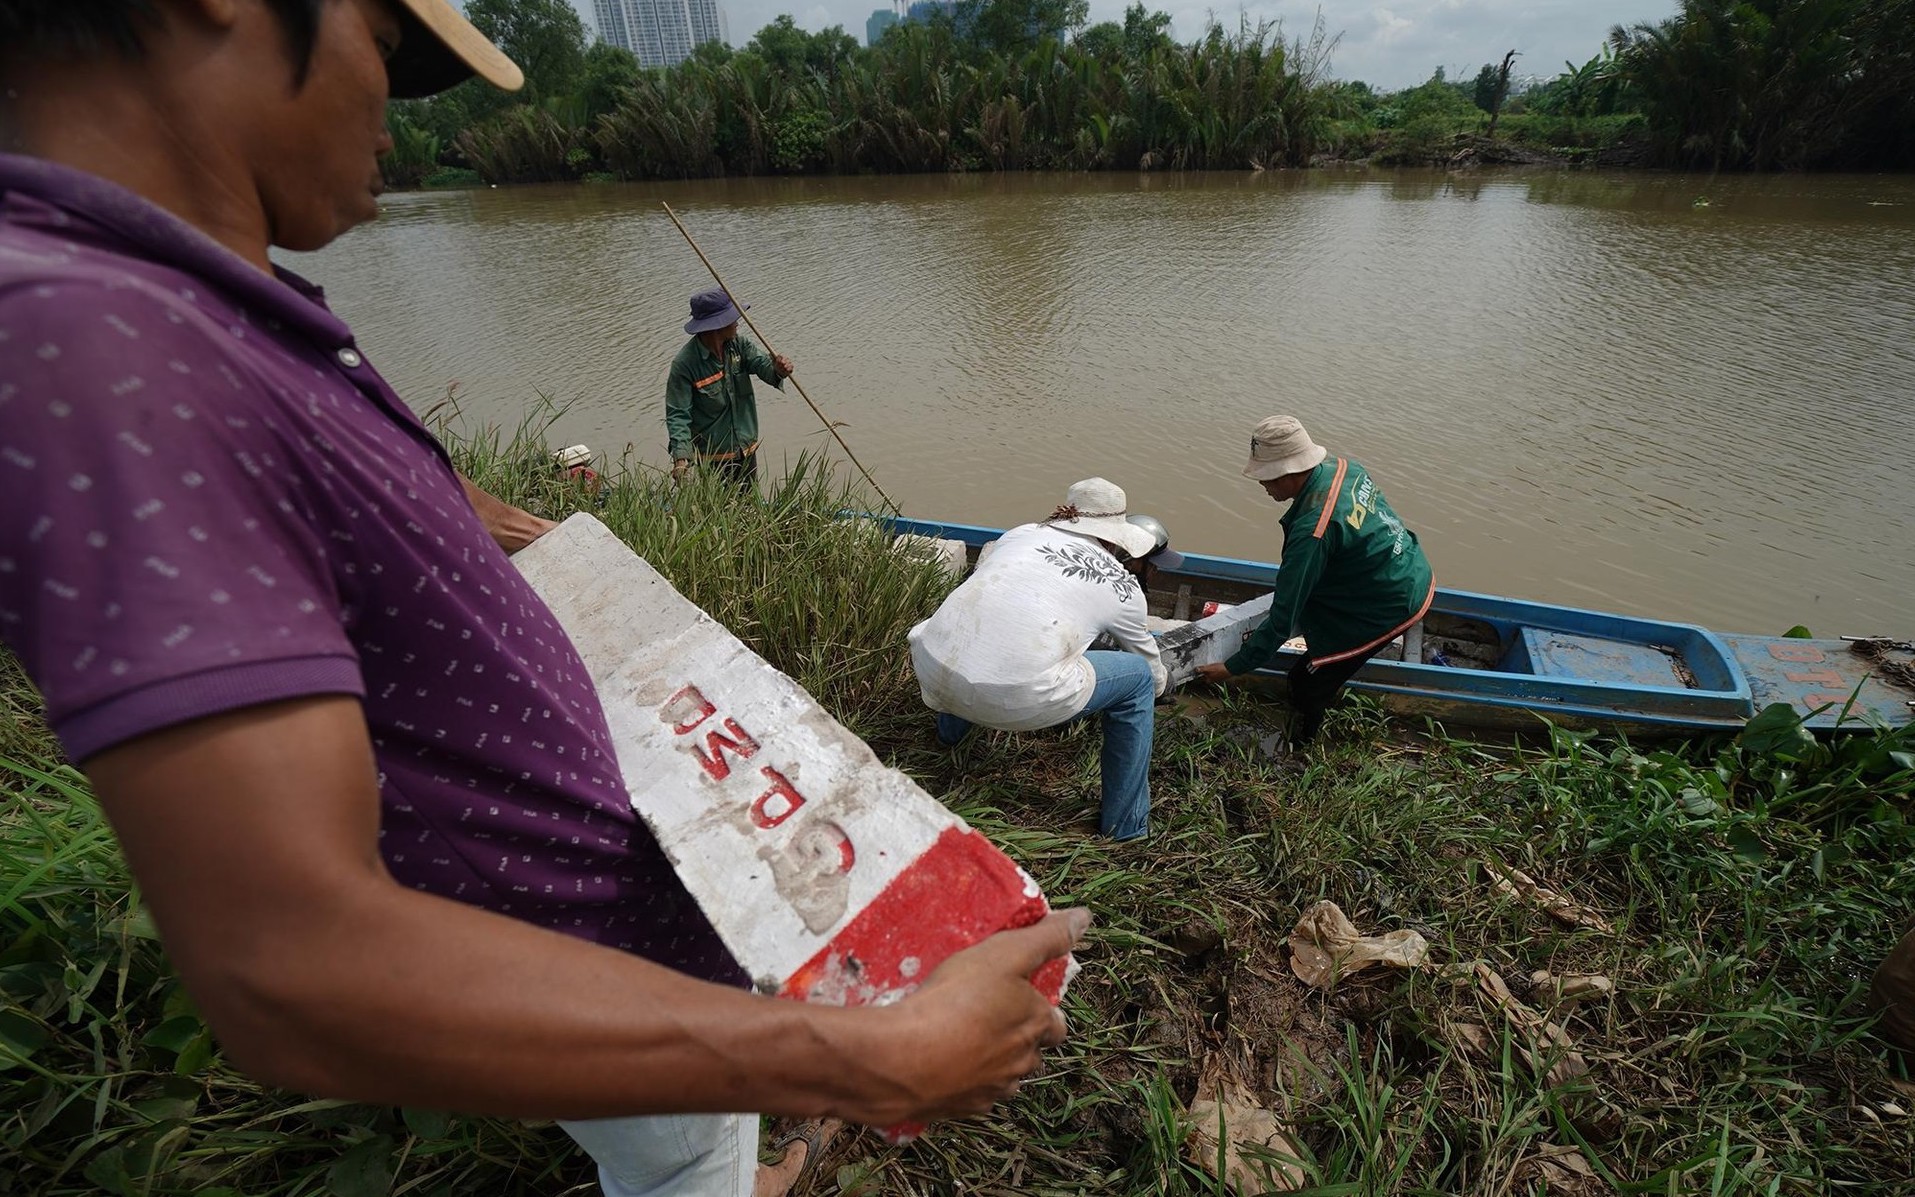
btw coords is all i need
(1096, 507)
(1280, 446)
(441, 49)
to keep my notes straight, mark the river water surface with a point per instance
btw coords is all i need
(1673, 396)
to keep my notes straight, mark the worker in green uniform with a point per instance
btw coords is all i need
(711, 415)
(1353, 577)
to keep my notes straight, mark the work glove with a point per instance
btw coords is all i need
(681, 472)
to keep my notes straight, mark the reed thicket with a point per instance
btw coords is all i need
(1721, 84)
(924, 100)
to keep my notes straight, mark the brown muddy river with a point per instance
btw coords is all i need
(1592, 389)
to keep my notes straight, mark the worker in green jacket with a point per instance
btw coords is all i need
(711, 415)
(1353, 577)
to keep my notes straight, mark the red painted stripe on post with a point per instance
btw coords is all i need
(960, 890)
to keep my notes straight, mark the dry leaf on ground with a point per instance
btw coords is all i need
(1326, 945)
(1517, 884)
(1255, 1137)
(1474, 1038)
(1571, 987)
(1562, 1172)
(1541, 1039)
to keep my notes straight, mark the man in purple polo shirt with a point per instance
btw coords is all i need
(356, 766)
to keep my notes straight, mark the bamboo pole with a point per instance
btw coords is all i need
(830, 427)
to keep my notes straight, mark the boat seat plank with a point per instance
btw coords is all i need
(1595, 659)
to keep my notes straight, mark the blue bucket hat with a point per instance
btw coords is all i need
(711, 309)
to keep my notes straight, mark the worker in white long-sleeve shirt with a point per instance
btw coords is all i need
(1010, 648)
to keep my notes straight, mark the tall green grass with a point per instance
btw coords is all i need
(818, 596)
(1752, 883)
(110, 1083)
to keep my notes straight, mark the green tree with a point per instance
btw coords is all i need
(1356, 94)
(1142, 33)
(1592, 89)
(1483, 90)
(545, 37)
(791, 51)
(1103, 41)
(711, 54)
(1016, 26)
(1435, 97)
(1145, 31)
(1761, 84)
(1884, 125)
(1492, 88)
(547, 40)
(415, 151)
(607, 72)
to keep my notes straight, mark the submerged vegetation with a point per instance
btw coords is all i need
(1743, 887)
(1028, 85)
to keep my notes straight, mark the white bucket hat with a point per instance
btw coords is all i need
(1096, 507)
(1280, 446)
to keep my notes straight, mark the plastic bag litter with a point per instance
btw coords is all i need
(1326, 945)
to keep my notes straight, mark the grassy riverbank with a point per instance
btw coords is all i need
(1749, 892)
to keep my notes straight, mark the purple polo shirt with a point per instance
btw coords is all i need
(209, 500)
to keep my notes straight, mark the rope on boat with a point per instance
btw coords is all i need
(830, 426)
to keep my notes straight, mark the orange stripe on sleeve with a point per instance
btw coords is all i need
(1330, 504)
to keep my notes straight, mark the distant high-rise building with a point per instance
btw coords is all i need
(659, 33)
(877, 23)
(707, 24)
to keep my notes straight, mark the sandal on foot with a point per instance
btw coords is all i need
(816, 1135)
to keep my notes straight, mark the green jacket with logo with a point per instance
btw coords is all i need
(710, 411)
(1352, 575)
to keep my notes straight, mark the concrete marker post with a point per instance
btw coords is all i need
(830, 876)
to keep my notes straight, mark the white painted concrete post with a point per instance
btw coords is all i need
(950, 554)
(830, 876)
(1211, 639)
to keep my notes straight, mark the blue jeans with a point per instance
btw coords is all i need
(672, 1155)
(1125, 694)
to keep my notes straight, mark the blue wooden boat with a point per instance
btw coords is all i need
(1482, 661)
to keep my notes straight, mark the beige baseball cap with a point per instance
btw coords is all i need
(441, 49)
(1280, 446)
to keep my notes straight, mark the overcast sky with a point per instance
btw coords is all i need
(1389, 45)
